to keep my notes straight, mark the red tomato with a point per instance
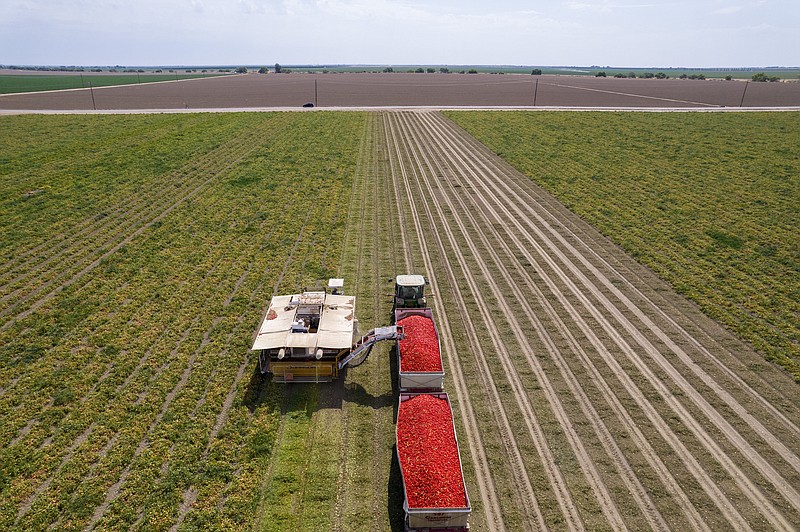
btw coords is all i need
(419, 350)
(428, 453)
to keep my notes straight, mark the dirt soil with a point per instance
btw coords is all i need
(441, 90)
(589, 394)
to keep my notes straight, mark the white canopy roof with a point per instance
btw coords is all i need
(410, 280)
(335, 329)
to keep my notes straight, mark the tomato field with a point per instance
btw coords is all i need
(140, 252)
(137, 253)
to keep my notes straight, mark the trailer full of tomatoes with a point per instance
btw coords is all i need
(419, 355)
(428, 453)
(427, 448)
(420, 346)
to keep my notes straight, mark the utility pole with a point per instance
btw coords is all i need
(91, 91)
(316, 103)
(535, 91)
(744, 92)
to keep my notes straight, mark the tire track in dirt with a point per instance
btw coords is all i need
(517, 201)
(500, 347)
(364, 157)
(483, 473)
(478, 204)
(437, 148)
(486, 484)
(721, 499)
(748, 487)
(378, 370)
(587, 244)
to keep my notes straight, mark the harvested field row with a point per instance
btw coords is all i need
(621, 416)
(710, 204)
(442, 90)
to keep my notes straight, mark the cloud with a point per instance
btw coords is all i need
(730, 10)
(605, 6)
(738, 8)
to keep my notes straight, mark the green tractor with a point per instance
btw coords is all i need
(409, 291)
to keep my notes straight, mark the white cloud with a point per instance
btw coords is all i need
(729, 10)
(604, 6)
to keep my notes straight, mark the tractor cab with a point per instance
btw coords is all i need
(409, 291)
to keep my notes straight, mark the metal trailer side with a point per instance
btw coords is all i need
(414, 381)
(434, 519)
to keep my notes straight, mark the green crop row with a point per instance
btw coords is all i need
(14, 83)
(710, 202)
(128, 397)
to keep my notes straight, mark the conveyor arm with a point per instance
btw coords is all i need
(363, 347)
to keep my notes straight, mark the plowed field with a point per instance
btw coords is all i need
(441, 90)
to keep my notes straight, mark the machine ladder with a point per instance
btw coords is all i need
(362, 348)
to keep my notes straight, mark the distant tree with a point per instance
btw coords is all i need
(683, 76)
(472, 71)
(600, 74)
(536, 72)
(388, 69)
(648, 75)
(430, 70)
(728, 77)
(661, 75)
(278, 68)
(761, 77)
(697, 76)
(241, 70)
(420, 70)
(444, 70)
(620, 75)
(631, 74)
(263, 70)
(159, 71)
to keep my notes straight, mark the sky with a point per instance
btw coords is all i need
(680, 33)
